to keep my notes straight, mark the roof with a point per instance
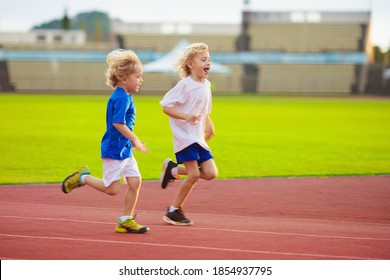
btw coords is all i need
(165, 63)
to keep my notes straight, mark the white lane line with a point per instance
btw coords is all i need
(188, 247)
(203, 214)
(209, 229)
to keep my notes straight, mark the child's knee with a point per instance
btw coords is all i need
(211, 175)
(209, 172)
(134, 188)
(113, 189)
(134, 183)
(112, 192)
(193, 177)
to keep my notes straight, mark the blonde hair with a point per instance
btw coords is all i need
(120, 64)
(186, 56)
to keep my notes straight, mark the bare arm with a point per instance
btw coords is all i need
(126, 132)
(175, 113)
(209, 129)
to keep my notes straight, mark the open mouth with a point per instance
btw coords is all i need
(206, 70)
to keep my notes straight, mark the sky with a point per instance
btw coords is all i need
(21, 15)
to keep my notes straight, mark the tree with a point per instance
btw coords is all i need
(380, 56)
(65, 22)
(96, 24)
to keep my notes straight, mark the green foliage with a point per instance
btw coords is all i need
(65, 22)
(381, 56)
(52, 24)
(96, 25)
(44, 138)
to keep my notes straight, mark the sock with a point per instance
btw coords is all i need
(175, 172)
(82, 178)
(172, 209)
(124, 218)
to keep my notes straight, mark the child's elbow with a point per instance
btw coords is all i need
(164, 109)
(209, 135)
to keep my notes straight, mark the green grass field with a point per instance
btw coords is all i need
(45, 137)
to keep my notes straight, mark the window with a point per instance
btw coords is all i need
(41, 38)
(57, 38)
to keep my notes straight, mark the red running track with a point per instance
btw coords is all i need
(338, 218)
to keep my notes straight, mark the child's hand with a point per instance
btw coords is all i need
(193, 119)
(140, 146)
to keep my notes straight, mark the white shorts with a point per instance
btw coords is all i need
(113, 169)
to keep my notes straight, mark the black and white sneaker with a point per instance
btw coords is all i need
(166, 174)
(177, 218)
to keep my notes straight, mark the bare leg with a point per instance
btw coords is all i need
(193, 175)
(132, 194)
(98, 184)
(208, 170)
(131, 197)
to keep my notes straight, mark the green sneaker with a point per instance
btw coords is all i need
(73, 181)
(130, 226)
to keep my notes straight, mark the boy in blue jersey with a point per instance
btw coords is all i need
(124, 74)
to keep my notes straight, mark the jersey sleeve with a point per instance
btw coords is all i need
(120, 107)
(176, 96)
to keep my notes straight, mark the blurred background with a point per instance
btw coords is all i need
(278, 48)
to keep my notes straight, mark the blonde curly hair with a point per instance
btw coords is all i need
(186, 56)
(121, 63)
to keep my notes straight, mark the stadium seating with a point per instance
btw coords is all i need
(304, 37)
(317, 79)
(58, 76)
(279, 57)
(89, 46)
(165, 43)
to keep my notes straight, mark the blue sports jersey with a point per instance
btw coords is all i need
(120, 109)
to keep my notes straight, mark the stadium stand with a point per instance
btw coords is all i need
(317, 38)
(322, 53)
(305, 37)
(85, 47)
(5, 81)
(306, 78)
(165, 43)
(43, 76)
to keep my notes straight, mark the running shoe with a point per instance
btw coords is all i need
(177, 218)
(73, 181)
(130, 226)
(166, 174)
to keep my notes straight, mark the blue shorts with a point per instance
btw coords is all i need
(193, 152)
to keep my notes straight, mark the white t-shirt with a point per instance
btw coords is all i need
(189, 97)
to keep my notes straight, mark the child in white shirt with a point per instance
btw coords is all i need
(188, 106)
